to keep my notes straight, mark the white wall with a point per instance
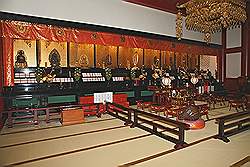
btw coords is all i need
(216, 38)
(233, 65)
(233, 60)
(112, 13)
(233, 38)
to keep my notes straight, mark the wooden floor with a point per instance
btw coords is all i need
(106, 142)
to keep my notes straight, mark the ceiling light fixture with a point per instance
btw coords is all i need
(210, 16)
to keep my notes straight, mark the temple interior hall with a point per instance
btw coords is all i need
(125, 83)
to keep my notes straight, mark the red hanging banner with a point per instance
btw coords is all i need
(8, 63)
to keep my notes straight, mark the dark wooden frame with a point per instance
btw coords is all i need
(140, 119)
(232, 124)
(47, 113)
(120, 112)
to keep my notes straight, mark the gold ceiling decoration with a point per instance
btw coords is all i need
(210, 16)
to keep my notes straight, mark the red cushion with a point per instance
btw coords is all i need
(87, 100)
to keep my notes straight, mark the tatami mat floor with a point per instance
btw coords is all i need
(106, 142)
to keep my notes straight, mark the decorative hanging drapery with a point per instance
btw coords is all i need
(24, 30)
(8, 62)
(10, 30)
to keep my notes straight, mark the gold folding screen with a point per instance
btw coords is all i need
(106, 56)
(29, 48)
(81, 55)
(47, 47)
(126, 55)
(149, 57)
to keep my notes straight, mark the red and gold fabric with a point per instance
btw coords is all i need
(10, 30)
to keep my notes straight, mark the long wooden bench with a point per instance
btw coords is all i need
(232, 124)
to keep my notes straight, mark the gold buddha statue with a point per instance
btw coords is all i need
(21, 60)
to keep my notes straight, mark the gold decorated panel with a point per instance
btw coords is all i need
(193, 61)
(171, 58)
(106, 56)
(81, 55)
(47, 47)
(184, 59)
(178, 59)
(149, 57)
(129, 57)
(29, 48)
(165, 59)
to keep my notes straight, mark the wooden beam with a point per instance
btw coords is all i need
(233, 50)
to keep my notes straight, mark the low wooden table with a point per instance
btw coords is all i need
(72, 116)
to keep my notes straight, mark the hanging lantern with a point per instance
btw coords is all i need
(194, 80)
(166, 81)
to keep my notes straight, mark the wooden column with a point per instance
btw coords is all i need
(38, 52)
(219, 60)
(117, 57)
(94, 56)
(1, 83)
(223, 54)
(1, 65)
(247, 38)
(68, 54)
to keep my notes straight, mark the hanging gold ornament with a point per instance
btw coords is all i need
(211, 16)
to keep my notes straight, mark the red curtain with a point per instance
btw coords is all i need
(23, 30)
(8, 62)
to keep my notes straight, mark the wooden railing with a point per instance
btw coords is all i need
(232, 124)
(32, 113)
(120, 112)
(155, 124)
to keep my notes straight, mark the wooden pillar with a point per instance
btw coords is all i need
(94, 56)
(219, 61)
(1, 65)
(223, 54)
(38, 53)
(143, 57)
(117, 57)
(244, 39)
(247, 39)
(68, 54)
